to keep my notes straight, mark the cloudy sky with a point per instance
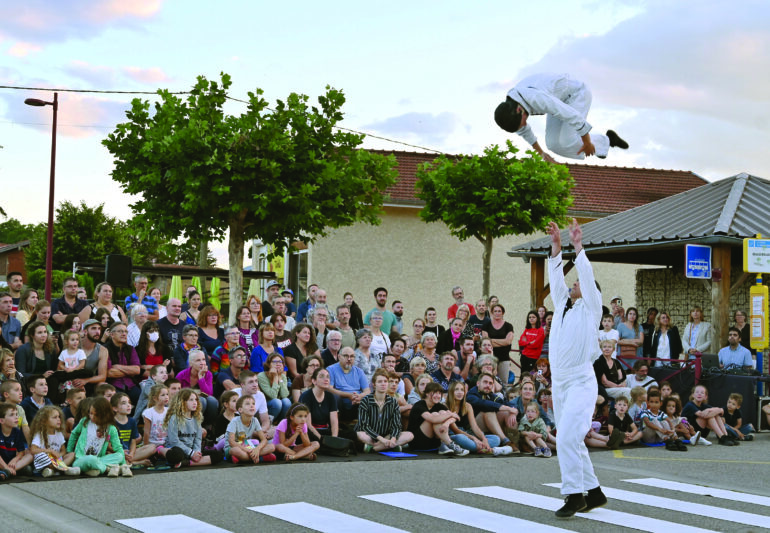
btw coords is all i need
(686, 83)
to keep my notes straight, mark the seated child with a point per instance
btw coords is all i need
(733, 419)
(621, 426)
(96, 444)
(534, 432)
(74, 397)
(185, 434)
(105, 390)
(227, 412)
(48, 446)
(158, 374)
(38, 388)
(241, 433)
(13, 448)
(10, 391)
(128, 433)
(705, 418)
(594, 437)
(672, 406)
(639, 404)
(154, 416)
(657, 426)
(291, 429)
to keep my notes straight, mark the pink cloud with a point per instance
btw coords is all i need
(146, 75)
(23, 49)
(116, 9)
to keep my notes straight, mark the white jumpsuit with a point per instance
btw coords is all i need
(574, 346)
(566, 103)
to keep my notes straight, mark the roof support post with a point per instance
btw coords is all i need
(720, 296)
(537, 292)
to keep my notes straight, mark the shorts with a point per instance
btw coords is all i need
(422, 442)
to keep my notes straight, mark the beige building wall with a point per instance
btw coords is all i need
(419, 264)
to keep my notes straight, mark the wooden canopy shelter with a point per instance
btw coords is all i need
(719, 214)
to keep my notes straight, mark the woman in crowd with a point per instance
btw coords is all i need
(265, 348)
(71, 323)
(528, 397)
(105, 321)
(697, 335)
(428, 352)
(469, 435)
(103, 299)
(610, 377)
(500, 333)
(123, 365)
(247, 327)
(366, 360)
(449, 341)
(151, 349)
(487, 363)
(304, 381)
(531, 342)
(464, 314)
(138, 319)
(323, 419)
(431, 322)
(210, 333)
(398, 348)
(189, 343)
(38, 355)
(41, 313)
(413, 341)
(198, 377)
(379, 342)
(740, 318)
(155, 293)
(541, 311)
(418, 391)
(318, 318)
(274, 385)
(27, 302)
(255, 308)
(8, 368)
(417, 368)
(282, 337)
(303, 345)
(541, 375)
(666, 342)
(356, 315)
(631, 335)
(193, 312)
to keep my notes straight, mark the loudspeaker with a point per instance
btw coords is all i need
(117, 270)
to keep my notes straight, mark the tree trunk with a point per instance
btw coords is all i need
(203, 256)
(235, 257)
(486, 259)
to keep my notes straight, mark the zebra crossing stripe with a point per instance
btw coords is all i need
(604, 515)
(322, 519)
(702, 491)
(709, 511)
(458, 513)
(171, 523)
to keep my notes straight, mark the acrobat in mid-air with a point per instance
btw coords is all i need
(565, 102)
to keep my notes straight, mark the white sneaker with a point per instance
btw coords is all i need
(72, 471)
(47, 472)
(547, 452)
(538, 452)
(93, 473)
(113, 471)
(704, 442)
(125, 471)
(502, 450)
(445, 450)
(695, 438)
(459, 450)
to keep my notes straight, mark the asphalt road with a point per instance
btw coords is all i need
(221, 497)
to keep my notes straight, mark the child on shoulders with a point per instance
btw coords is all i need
(72, 357)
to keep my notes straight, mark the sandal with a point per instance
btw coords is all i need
(288, 458)
(311, 457)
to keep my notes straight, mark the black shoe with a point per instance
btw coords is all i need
(595, 498)
(736, 442)
(680, 446)
(748, 437)
(573, 503)
(616, 141)
(724, 440)
(671, 445)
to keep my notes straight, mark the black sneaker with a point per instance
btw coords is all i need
(724, 440)
(680, 446)
(595, 498)
(748, 437)
(573, 503)
(616, 141)
(671, 445)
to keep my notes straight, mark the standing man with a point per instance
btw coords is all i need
(480, 319)
(271, 291)
(69, 302)
(15, 284)
(141, 296)
(734, 356)
(398, 310)
(348, 335)
(170, 325)
(459, 296)
(11, 328)
(574, 345)
(388, 318)
(305, 307)
(565, 102)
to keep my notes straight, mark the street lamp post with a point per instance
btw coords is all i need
(49, 252)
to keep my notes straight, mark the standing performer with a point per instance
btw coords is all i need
(566, 103)
(574, 345)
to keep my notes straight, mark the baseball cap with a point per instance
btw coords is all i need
(89, 322)
(271, 283)
(287, 291)
(615, 298)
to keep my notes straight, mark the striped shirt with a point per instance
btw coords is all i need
(379, 423)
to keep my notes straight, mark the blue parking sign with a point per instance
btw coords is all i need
(697, 261)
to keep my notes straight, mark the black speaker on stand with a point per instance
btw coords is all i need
(117, 270)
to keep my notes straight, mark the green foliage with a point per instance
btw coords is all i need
(495, 194)
(36, 279)
(279, 175)
(13, 231)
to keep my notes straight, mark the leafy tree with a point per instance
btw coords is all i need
(493, 195)
(281, 175)
(13, 231)
(148, 248)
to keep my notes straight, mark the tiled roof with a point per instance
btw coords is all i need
(598, 191)
(727, 210)
(15, 246)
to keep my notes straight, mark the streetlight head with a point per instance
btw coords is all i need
(36, 102)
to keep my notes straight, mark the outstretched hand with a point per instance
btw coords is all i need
(555, 233)
(576, 236)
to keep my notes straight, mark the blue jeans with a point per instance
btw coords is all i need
(277, 408)
(745, 429)
(468, 444)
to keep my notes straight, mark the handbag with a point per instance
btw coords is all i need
(336, 446)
